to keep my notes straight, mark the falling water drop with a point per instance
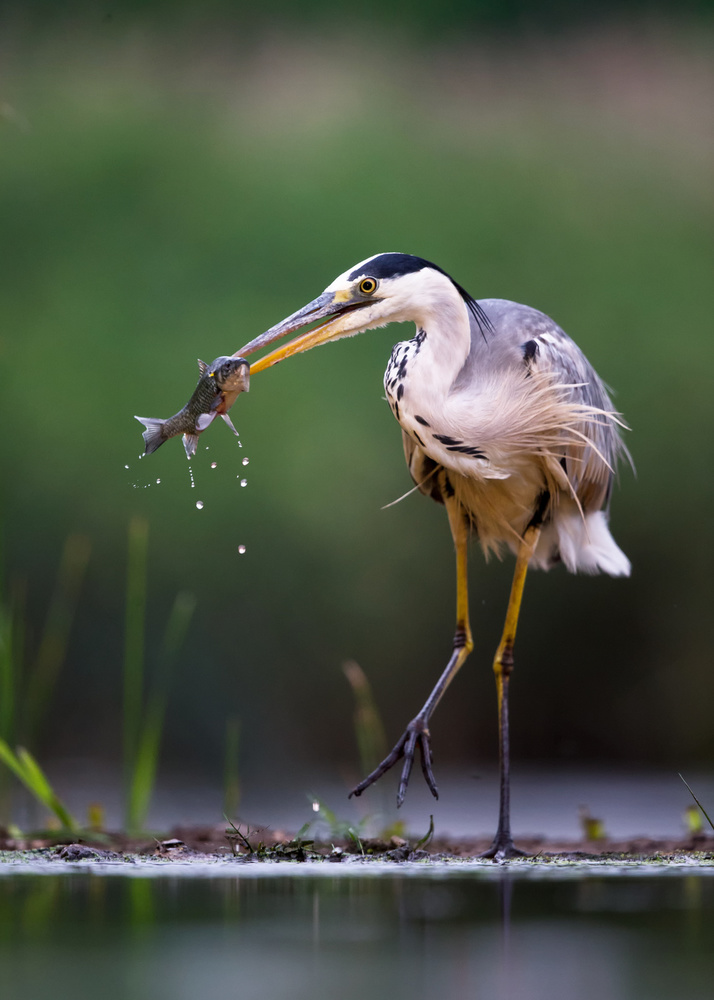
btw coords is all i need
(244, 462)
(158, 481)
(199, 504)
(244, 482)
(241, 549)
(214, 464)
(316, 807)
(126, 466)
(190, 472)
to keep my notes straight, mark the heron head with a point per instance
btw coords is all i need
(385, 288)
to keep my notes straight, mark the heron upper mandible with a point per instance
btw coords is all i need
(505, 423)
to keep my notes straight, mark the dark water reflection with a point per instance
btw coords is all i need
(460, 935)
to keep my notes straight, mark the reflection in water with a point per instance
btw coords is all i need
(461, 934)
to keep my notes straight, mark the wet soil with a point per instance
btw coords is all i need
(243, 843)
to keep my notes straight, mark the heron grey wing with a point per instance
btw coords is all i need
(523, 336)
(589, 458)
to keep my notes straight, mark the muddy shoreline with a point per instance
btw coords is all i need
(202, 844)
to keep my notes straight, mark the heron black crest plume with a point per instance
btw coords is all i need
(391, 265)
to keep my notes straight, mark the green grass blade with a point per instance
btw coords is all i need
(369, 730)
(9, 670)
(53, 645)
(146, 758)
(135, 623)
(698, 803)
(177, 626)
(7, 674)
(10, 760)
(28, 771)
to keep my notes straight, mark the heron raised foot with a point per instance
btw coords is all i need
(505, 422)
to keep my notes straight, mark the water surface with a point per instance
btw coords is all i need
(268, 932)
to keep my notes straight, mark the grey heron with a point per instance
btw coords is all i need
(505, 423)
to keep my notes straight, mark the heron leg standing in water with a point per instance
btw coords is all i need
(505, 422)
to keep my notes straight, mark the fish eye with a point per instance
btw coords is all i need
(368, 286)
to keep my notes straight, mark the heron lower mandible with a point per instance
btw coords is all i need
(505, 422)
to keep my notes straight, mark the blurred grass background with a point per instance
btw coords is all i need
(171, 184)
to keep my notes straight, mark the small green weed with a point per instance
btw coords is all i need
(334, 828)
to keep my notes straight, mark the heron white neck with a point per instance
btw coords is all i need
(444, 318)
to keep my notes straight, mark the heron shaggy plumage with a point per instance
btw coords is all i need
(505, 422)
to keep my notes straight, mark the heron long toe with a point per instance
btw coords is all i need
(415, 735)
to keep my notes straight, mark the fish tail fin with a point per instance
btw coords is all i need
(153, 435)
(230, 423)
(190, 443)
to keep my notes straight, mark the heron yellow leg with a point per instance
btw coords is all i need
(502, 846)
(417, 732)
(463, 639)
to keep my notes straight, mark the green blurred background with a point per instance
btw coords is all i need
(171, 184)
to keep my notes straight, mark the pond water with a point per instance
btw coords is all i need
(268, 932)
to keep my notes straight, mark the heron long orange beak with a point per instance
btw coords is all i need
(330, 304)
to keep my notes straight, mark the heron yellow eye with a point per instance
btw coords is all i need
(367, 285)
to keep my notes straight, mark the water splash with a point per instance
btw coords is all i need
(241, 550)
(199, 504)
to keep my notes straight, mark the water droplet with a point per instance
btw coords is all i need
(190, 472)
(158, 481)
(207, 447)
(244, 462)
(214, 464)
(126, 466)
(244, 482)
(316, 807)
(199, 504)
(241, 549)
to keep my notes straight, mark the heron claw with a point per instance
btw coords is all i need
(415, 735)
(502, 849)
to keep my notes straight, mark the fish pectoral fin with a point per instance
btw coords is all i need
(230, 423)
(205, 420)
(153, 435)
(190, 443)
(202, 367)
